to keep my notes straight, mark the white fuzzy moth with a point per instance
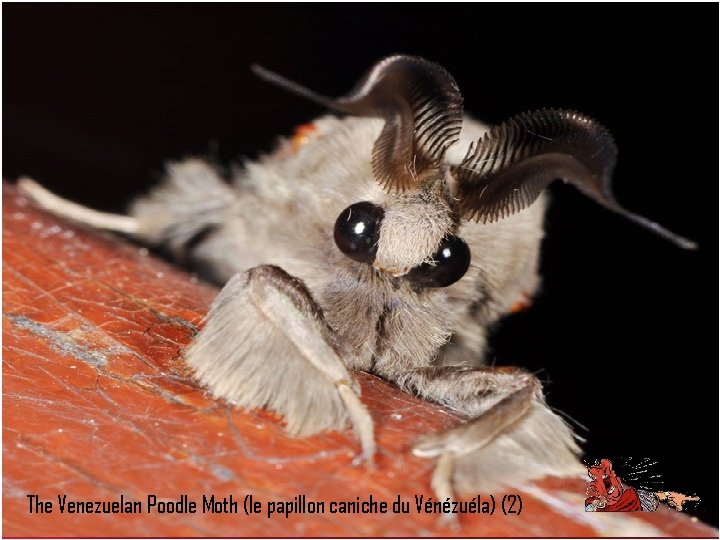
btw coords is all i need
(378, 245)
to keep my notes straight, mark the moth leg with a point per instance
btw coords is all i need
(511, 436)
(266, 344)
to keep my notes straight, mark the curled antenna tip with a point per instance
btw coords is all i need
(261, 72)
(661, 231)
(268, 75)
(678, 240)
(291, 86)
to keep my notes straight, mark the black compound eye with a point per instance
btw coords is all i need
(356, 231)
(451, 261)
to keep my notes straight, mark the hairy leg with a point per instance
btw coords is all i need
(511, 435)
(266, 344)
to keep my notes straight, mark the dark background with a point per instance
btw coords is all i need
(97, 97)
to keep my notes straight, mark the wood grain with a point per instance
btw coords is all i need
(97, 404)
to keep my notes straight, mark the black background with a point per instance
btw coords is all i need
(96, 98)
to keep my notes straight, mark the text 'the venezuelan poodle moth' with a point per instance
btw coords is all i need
(387, 242)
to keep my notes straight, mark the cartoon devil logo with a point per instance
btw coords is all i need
(606, 493)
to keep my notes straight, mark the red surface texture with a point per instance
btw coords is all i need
(97, 405)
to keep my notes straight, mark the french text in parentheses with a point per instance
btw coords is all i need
(251, 506)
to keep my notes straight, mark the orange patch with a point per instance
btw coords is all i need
(303, 133)
(522, 304)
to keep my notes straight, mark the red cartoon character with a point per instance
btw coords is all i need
(606, 492)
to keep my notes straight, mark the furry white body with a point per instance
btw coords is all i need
(281, 211)
(265, 347)
(309, 296)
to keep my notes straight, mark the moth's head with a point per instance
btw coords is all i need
(412, 232)
(409, 234)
